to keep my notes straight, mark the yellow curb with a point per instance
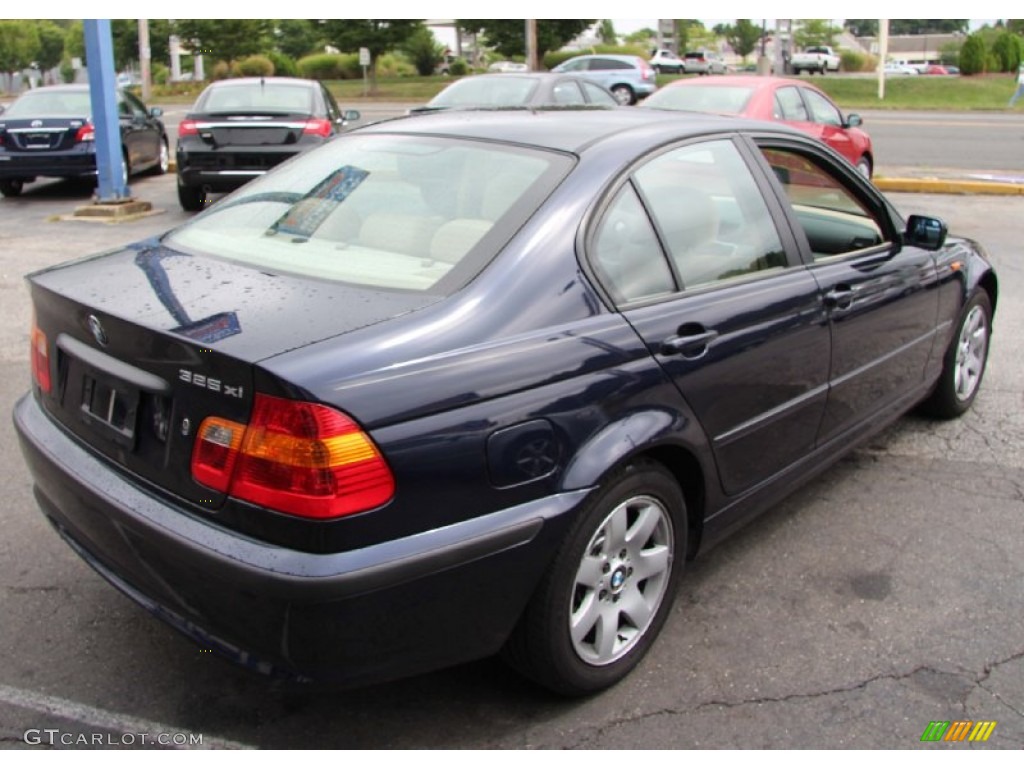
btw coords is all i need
(172, 167)
(948, 186)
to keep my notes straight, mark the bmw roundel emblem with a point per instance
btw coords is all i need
(98, 332)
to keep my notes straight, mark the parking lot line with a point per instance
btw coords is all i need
(144, 731)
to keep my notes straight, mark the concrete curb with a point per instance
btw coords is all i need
(947, 186)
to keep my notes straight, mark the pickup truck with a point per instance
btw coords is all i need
(817, 58)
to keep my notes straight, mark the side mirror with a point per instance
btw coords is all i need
(854, 121)
(155, 111)
(350, 115)
(2, 108)
(925, 232)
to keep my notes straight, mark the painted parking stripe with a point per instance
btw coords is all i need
(103, 719)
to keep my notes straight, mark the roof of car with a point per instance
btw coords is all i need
(734, 81)
(567, 130)
(253, 80)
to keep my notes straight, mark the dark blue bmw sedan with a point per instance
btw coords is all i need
(472, 383)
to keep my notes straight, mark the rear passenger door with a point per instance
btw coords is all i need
(689, 250)
(879, 294)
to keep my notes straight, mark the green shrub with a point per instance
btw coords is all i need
(1007, 49)
(553, 58)
(394, 65)
(159, 72)
(458, 68)
(423, 51)
(67, 72)
(330, 66)
(284, 66)
(253, 66)
(851, 61)
(973, 55)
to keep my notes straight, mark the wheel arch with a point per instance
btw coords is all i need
(658, 435)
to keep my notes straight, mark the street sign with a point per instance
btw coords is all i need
(364, 57)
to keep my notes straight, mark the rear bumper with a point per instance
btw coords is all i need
(49, 164)
(401, 607)
(223, 170)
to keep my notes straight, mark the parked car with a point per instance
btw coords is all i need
(508, 66)
(629, 78)
(816, 58)
(935, 69)
(535, 89)
(49, 132)
(900, 68)
(703, 63)
(667, 62)
(787, 100)
(240, 128)
(482, 381)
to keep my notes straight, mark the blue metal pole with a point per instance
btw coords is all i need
(99, 52)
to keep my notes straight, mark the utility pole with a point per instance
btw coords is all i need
(531, 45)
(883, 53)
(144, 58)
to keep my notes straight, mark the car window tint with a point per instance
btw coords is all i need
(567, 92)
(598, 95)
(575, 65)
(833, 218)
(823, 110)
(136, 106)
(609, 64)
(626, 254)
(263, 97)
(791, 104)
(385, 211)
(710, 214)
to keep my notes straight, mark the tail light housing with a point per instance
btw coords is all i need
(187, 128)
(87, 132)
(303, 459)
(40, 356)
(318, 127)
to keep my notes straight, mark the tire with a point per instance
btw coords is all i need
(964, 364)
(164, 163)
(11, 187)
(864, 166)
(618, 567)
(192, 199)
(624, 95)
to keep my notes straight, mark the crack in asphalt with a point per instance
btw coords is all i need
(977, 678)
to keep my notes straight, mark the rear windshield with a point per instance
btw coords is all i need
(719, 99)
(503, 91)
(399, 212)
(43, 103)
(284, 98)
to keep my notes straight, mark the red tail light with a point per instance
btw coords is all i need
(318, 127)
(299, 458)
(40, 354)
(86, 133)
(187, 128)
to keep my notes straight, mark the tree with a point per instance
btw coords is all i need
(688, 30)
(19, 45)
(296, 38)
(51, 44)
(1007, 48)
(862, 27)
(645, 37)
(125, 34)
(973, 55)
(927, 26)
(606, 31)
(377, 35)
(423, 50)
(814, 32)
(508, 36)
(743, 37)
(225, 39)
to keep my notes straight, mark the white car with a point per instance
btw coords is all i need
(508, 66)
(664, 61)
(900, 68)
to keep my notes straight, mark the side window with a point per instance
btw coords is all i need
(608, 64)
(710, 214)
(567, 92)
(823, 110)
(599, 95)
(626, 254)
(134, 106)
(124, 108)
(792, 105)
(833, 218)
(333, 114)
(574, 66)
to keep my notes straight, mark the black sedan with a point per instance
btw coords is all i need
(533, 89)
(49, 132)
(481, 382)
(239, 129)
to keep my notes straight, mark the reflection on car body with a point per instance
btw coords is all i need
(496, 377)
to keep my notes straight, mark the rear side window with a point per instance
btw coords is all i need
(609, 64)
(789, 105)
(385, 211)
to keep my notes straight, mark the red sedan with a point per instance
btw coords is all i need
(786, 100)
